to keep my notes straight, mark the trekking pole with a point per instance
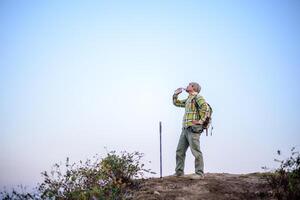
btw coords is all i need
(160, 149)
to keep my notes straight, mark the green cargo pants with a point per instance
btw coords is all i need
(189, 139)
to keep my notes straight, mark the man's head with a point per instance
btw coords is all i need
(193, 87)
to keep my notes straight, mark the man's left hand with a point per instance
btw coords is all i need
(196, 122)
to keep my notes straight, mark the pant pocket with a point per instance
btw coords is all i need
(197, 128)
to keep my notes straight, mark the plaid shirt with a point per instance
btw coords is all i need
(191, 112)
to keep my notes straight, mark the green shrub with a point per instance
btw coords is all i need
(109, 178)
(285, 181)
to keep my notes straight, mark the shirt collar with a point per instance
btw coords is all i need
(193, 94)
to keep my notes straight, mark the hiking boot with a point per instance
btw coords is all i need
(178, 174)
(195, 176)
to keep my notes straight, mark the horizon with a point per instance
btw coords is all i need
(77, 77)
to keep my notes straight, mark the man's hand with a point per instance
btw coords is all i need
(178, 91)
(196, 122)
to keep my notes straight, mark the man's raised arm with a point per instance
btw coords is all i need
(176, 101)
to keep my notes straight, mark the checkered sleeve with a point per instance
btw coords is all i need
(177, 102)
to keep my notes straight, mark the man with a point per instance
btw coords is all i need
(191, 130)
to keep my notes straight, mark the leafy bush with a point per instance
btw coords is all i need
(285, 181)
(109, 178)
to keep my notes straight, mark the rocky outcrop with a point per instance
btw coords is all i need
(214, 186)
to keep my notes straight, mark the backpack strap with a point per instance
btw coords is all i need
(199, 106)
(198, 109)
(196, 103)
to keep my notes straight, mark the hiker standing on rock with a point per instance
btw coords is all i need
(193, 120)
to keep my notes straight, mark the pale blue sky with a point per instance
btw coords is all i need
(78, 76)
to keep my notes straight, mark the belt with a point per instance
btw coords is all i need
(187, 128)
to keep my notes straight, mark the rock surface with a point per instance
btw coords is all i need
(213, 186)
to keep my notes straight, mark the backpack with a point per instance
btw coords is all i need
(208, 114)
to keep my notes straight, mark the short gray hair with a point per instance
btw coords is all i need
(196, 86)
